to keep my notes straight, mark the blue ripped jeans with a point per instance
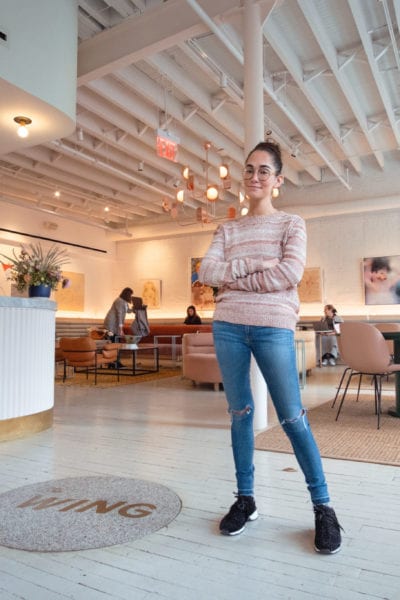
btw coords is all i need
(274, 352)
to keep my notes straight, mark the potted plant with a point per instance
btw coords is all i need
(37, 270)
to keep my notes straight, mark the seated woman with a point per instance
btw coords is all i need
(192, 318)
(329, 346)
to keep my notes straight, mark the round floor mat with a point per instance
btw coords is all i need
(84, 512)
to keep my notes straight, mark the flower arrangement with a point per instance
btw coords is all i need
(33, 266)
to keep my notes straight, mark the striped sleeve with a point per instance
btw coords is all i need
(287, 273)
(216, 271)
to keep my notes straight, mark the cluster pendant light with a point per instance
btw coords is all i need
(210, 192)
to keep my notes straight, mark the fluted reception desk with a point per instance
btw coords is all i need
(27, 327)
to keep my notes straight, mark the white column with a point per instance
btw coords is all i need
(254, 133)
(253, 76)
(26, 356)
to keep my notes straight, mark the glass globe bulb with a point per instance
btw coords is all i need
(22, 131)
(212, 193)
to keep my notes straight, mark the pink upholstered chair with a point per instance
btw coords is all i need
(388, 327)
(199, 361)
(365, 352)
(343, 350)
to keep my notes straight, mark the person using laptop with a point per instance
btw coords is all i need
(192, 318)
(330, 322)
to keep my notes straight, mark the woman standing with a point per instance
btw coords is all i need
(257, 262)
(114, 320)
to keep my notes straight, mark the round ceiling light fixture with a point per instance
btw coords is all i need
(23, 123)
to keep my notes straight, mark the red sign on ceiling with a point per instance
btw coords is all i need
(167, 145)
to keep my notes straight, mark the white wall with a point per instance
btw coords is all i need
(98, 267)
(40, 56)
(336, 244)
(166, 259)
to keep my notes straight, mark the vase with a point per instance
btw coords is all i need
(39, 291)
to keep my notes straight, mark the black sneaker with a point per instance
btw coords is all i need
(327, 530)
(243, 510)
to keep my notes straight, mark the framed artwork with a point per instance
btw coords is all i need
(381, 278)
(71, 297)
(310, 287)
(201, 296)
(151, 292)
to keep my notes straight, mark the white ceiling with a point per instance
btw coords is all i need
(331, 94)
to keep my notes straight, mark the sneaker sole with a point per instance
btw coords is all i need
(252, 517)
(327, 551)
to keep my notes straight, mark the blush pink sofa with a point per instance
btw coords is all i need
(199, 362)
(164, 333)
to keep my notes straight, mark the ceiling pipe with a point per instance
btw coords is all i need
(98, 162)
(119, 172)
(391, 33)
(22, 203)
(216, 30)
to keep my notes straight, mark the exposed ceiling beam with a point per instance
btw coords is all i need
(124, 7)
(330, 53)
(137, 38)
(357, 8)
(238, 54)
(185, 83)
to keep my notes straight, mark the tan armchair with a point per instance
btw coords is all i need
(81, 353)
(199, 361)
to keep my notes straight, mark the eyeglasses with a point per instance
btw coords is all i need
(263, 173)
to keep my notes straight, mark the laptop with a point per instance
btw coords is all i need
(321, 327)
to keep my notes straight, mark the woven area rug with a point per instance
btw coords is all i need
(110, 379)
(353, 437)
(84, 512)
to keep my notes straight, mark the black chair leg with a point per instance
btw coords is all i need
(378, 397)
(345, 392)
(340, 385)
(359, 386)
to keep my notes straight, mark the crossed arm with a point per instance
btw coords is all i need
(256, 273)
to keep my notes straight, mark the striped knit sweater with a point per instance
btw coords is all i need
(257, 262)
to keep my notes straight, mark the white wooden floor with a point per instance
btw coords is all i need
(178, 436)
